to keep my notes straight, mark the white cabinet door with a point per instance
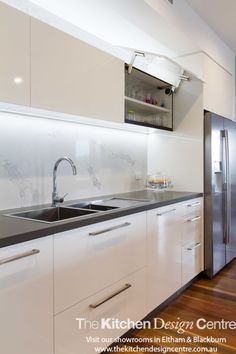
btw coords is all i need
(88, 259)
(164, 253)
(15, 56)
(218, 89)
(218, 92)
(26, 298)
(76, 327)
(70, 76)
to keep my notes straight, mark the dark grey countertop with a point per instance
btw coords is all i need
(14, 230)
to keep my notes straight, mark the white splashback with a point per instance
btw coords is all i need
(107, 160)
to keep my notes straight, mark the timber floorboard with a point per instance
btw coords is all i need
(212, 300)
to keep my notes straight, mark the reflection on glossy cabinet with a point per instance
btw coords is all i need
(15, 56)
(164, 253)
(72, 327)
(88, 259)
(71, 76)
(26, 297)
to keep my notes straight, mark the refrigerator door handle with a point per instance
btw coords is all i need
(227, 187)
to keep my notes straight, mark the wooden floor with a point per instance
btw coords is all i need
(212, 300)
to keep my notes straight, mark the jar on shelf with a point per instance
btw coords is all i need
(130, 114)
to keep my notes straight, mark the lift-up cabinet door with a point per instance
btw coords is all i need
(71, 76)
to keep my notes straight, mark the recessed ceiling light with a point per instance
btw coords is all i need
(18, 80)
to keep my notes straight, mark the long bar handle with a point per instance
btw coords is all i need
(194, 219)
(193, 204)
(166, 212)
(97, 304)
(19, 256)
(195, 246)
(109, 229)
(228, 190)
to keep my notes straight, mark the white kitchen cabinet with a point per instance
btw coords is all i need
(26, 297)
(218, 92)
(71, 76)
(88, 259)
(175, 248)
(15, 56)
(218, 89)
(123, 300)
(164, 253)
(192, 239)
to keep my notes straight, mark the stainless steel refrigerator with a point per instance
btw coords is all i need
(219, 192)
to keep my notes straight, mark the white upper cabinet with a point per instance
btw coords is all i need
(218, 89)
(15, 56)
(218, 92)
(70, 76)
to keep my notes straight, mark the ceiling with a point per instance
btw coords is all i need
(220, 15)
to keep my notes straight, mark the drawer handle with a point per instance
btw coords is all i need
(19, 256)
(195, 246)
(109, 229)
(193, 204)
(94, 306)
(194, 219)
(166, 212)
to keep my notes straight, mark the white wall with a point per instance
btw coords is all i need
(107, 160)
(180, 154)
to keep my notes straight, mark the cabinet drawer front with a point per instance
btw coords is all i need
(192, 261)
(88, 259)
(192, 229)
(26, 297)
(70, 327)
(192, 207)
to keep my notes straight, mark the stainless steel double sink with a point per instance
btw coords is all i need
(55, 214)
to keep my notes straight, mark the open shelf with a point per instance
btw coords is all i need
(143, 106)
(141, 87)
(148, 125)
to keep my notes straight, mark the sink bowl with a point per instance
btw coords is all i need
(51, 215)
(109, 203)
(93, 206)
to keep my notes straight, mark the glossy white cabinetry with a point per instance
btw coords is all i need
(192, 239)
(164, 253)
(88, 259)
(218, 92)
(175, 248)
(15, 56)
(70, 76)
(218, 89)
(26, 297)
(72, 334)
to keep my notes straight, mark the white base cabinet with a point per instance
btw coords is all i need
(72, 333)
(192, 239)
(26, 297)
(175, 248)
(110, 271)
(164, 254)
(88, 259)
